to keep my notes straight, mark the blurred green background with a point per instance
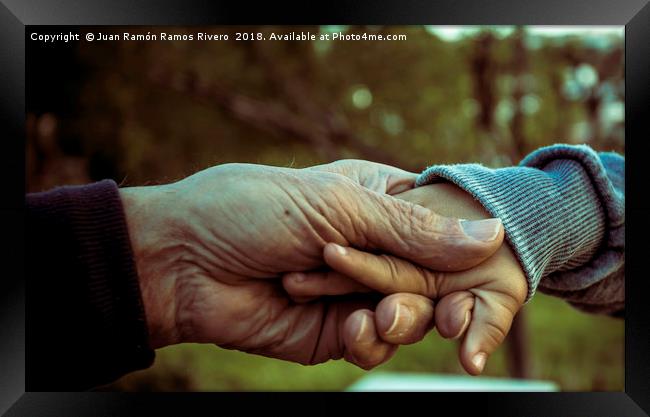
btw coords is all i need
(153, 112)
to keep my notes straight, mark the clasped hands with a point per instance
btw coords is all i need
(293, 263)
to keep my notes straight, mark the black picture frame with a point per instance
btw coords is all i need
(17, 15)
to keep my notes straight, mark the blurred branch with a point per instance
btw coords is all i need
(262, 115)
(333, 123)
(326, 131)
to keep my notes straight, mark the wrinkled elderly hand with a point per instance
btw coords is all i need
(477, 304)
(208, 247)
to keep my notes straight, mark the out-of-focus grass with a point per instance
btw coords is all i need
(578, 351)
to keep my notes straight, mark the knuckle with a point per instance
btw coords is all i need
(512, 292)
(348, 162)
(433, 281)
(391, 274)
(410, 224)
(423, 218)
(495, 333)
(331, 182)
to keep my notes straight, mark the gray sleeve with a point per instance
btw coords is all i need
(563, 213)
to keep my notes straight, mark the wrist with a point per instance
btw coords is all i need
(155, 255)
(448, 200)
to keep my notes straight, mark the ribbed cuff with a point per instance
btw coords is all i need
(551, 214)
(101, 318)
(98, 222)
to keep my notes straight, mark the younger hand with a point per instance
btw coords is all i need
(479, 303)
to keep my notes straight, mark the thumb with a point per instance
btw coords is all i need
(420, 235)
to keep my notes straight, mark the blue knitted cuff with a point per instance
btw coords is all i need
(551, 214)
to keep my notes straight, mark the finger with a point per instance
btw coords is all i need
(401, 318)
(372, 175)
(454, 313)
(308, 285)
(384, 273)
(492, 317)
(404, 318)
(324, 330)
(422, 236)
(389, 274)
(363, 347)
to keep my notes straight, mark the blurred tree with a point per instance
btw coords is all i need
(484, 74)
(519, 70)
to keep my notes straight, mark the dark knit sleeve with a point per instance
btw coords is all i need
(85, 318)
(563, 213)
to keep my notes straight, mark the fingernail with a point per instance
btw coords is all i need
(298, 277)
(362, 328)
(462, 329)
(479, 361)
(340, 249)
(484, 230)
(402, 320)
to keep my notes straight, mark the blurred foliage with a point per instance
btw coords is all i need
(158, 111)
(152, 112)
